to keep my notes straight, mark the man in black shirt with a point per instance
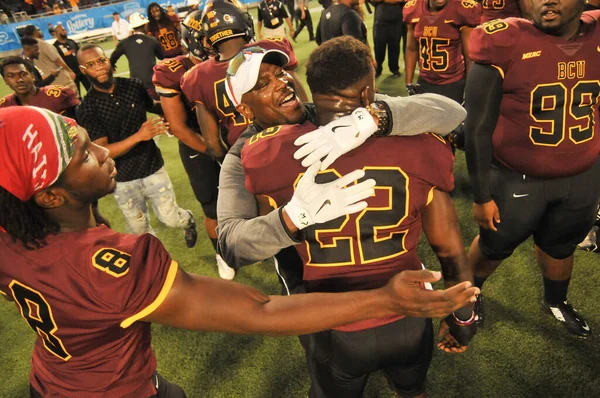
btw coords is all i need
(114, 114)
(67, 48)
(341, 20)
(304, 19)
(387, 32)
(272, 14)
(141, 51)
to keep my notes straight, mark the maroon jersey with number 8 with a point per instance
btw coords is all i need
(83, 293)
(363, 250)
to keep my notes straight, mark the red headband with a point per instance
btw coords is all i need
(36, 146)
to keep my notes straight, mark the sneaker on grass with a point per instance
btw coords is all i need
(225, 271)
(569, 316)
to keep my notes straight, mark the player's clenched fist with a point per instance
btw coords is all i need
(408, 297)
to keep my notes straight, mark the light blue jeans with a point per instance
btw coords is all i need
(131, 196)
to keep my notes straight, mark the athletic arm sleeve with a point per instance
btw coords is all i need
(244, 236)
(483, 93)
(351, 25)
(45, 82)
(423, 113)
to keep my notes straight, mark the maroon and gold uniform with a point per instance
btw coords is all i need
(363, 250)
(547, 126)
(168, 37)
(167, 81)
(83, 293)
(58, 99)
(205, 84)
(441, 58)
(499, 9)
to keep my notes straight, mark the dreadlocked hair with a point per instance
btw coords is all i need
(25, 221)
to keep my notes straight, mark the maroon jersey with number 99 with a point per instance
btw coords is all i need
(548, 122)
(363, 250)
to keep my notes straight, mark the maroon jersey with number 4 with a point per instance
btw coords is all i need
(548, 122)
(499, 9)
(441, 58)
(82, 293)
(363, 250)
(58, 99)
(205, 84)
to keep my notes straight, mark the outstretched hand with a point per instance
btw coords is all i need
(408, 297)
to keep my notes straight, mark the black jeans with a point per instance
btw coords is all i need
(304, 22)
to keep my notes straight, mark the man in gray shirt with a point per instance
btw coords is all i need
(245, 237)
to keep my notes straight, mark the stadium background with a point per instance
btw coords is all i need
(521, 352)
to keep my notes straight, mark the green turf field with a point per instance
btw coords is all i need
(520, 353)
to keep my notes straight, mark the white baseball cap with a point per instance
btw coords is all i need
(243, 70)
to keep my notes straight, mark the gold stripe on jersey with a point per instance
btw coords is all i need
(430, 196)
(165, 90)
(2, 293)
(499, 70)
(162, 295)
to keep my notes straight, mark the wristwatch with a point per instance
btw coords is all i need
(381, 111)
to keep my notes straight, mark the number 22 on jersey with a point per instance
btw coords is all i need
(379, 232)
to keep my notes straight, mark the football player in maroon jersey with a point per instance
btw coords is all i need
(166, 30)
(21, 81)
(228, 29)
(202, 169)
(438, 35)
(501, 9)
(532, 143)
(90, 293)
(362, 250)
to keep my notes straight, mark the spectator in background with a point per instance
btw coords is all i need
(141, 51)
(272, 14)
(166, 29)
(31, 51)
(120, 28)
(51, 29)
(341, 19)
(49, 59)
(114, 114)
(67, 48)
(74, 5)
(303, 14)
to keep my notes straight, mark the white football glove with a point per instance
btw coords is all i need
(314, 203)
(335, 139)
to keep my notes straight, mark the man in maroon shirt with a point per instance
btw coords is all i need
(90, 293)
(166, 30)
(58, 99)
(438, 36)
(229, 30)
(366, 249)
(532, 143)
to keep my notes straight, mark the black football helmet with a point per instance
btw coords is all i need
(225, 19)
(192, 35)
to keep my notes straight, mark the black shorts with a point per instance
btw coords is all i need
(164, 389)
(558, 212)
(455, 91)
(203, 173)
(344, 360)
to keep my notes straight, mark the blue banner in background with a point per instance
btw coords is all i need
(81, 21)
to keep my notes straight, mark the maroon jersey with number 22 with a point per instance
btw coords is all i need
(363, 250)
